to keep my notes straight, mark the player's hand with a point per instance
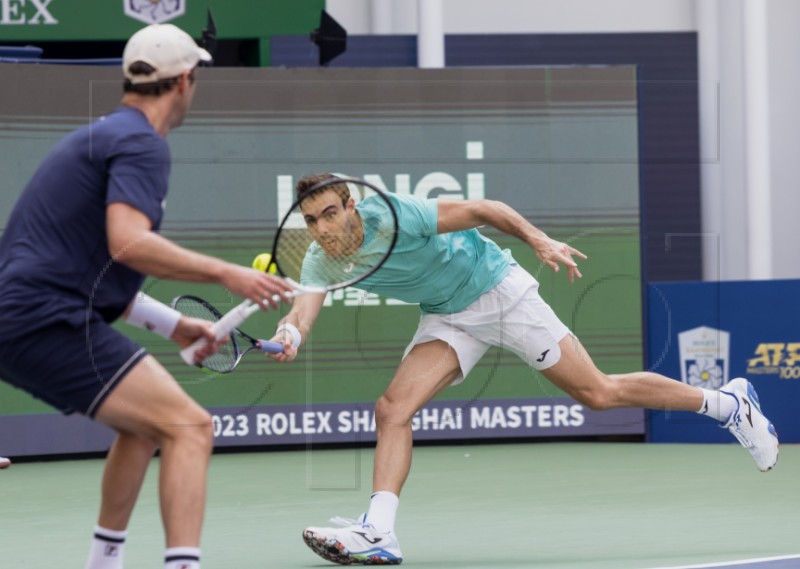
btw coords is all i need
(191, 329)
(289, 351)
(257, 286)
(555, 253)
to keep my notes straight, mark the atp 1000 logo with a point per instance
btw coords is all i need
(779, 359)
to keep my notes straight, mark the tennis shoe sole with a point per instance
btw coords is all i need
(333, 550)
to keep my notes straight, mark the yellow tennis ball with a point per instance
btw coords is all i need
(264, 260)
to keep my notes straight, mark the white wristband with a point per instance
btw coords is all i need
(293, 331)
(150, 314)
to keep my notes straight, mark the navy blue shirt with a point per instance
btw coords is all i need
(54, 259)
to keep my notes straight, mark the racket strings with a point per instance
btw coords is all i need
(228, 353)
(290, 251)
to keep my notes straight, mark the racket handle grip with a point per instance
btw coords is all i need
(187, 354)
(270, 347)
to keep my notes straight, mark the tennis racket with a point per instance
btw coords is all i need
(230, 353)
(338, 233)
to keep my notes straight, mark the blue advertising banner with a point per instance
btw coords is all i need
(707, 334)
(25, 435)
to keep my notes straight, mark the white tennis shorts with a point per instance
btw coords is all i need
(511, 316)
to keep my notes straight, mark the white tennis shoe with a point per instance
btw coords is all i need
(4, 462)
(357, 543)
(749, 425)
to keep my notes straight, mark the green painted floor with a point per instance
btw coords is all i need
(543, 505)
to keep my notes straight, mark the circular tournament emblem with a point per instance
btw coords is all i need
(154, 11)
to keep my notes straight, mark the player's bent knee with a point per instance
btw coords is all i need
(595, 402)
(389, 413)
(192, 426)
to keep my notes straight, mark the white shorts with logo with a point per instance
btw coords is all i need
(511, 316)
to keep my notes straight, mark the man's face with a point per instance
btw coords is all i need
(186, 90)
(336, 227)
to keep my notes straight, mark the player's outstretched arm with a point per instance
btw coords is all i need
(294, 328)
(132, 242)
(461, 215)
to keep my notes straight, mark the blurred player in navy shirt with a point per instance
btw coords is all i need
(75, 252)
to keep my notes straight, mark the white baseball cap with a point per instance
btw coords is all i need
(166, 48)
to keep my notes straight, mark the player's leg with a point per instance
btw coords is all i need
(125, 468)
(514, 316)
(529, 327)
(149, 404)
(111, 379)
(426, 369)
(576, 373)
(736, 405)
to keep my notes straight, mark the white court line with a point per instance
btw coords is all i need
(731, 563)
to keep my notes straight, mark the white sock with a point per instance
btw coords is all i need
(107, 549)
(382, 511)
(182, 558)
(717, 404)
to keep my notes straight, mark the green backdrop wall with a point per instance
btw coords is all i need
(557, 144)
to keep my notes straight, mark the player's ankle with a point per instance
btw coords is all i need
(383, 511)
(108, 547)
(182, 558)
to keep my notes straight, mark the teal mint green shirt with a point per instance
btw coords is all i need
(443, 273)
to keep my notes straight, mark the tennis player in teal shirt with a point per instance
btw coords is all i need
(438, 272)
(472, 295)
